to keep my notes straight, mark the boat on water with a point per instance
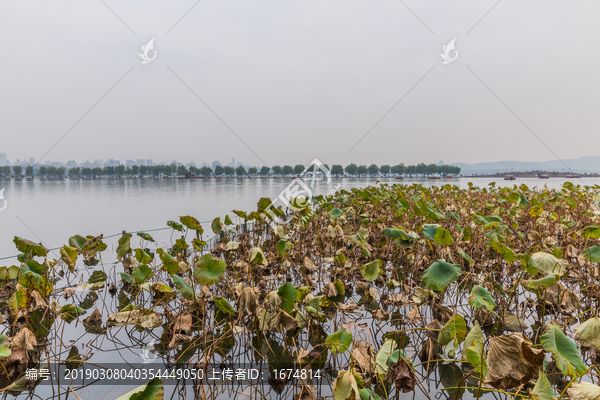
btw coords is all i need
(573, 176)
(544, 177)
(448, 177)
(434, 177)
(509, 178)
(399, 177)
(293, 177)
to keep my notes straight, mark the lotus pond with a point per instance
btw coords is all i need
(372, 293)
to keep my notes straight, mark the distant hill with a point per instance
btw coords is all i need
(589, 164)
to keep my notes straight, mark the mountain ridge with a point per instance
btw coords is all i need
(588, 164)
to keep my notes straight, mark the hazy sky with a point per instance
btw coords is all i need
(298, 80)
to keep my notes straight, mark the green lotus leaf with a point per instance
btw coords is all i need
(564, 351)
(208, 270)
(142, 273)
(184, 288)
(287, 293)
(440, 274)
(443, 237)
(454, 329)
(192, 223)
(480, 298)
(339, 342)
(371, 270)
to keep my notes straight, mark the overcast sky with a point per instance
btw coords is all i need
(298, 80)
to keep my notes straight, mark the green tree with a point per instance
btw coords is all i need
(205, 171)
(5, 170)
(352, 169)
(252, 170)
(398, 169)
(181, 170)
(411, 170)
(337, 170)
(17, 169)
(228, 170)
(373, 169)
(277, 170)
(120, 170)
(96, 171)
(144, 170)
(61, 171)
(384, 169)
(264, 170)
(240, 170)
(432, 169)
(362, 170)
(135, 170)
(288, 170)
(29, 170)
(42, 172)
(75, 171)
(298, 169)
(421, 168)
(52, 171)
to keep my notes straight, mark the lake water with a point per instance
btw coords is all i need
(51, 211)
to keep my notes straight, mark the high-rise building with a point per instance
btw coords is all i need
(32, 161)
(140, 162)
(129, 163)
(71, 164)
(149, 163)
(214, 164)
(113, 163)
(2, 159)
(232, 165)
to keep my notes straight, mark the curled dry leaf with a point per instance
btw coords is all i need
(513, 323)
(68, 293)
(179, 339)
(248, 301)
(25, 339)
(402, 374)
(584, 391)
(37, 302)
(329, 290)
(588, 333)
(414, 314)
(364, 360)
(183, 324)
(281, 322)
(512, 361)
(95, 317)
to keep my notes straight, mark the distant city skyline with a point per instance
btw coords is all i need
(111, 162)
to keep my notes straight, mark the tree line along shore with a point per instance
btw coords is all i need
(220, 170)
